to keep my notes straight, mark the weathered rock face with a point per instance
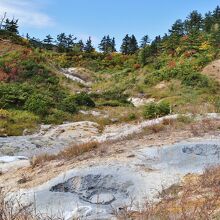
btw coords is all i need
(136, 101)
(50, 139)
(95, 189)
(77, 75)
(92, 190)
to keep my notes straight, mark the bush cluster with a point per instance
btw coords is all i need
(154, 110)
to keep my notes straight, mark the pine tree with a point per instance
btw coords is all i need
(133, 46)
(107, 45)
(48, 39)
(216, 27)
(27, 36)
(88, 47)
(208, 22)
(145, 41)
(103, 45)
(125, 45)
(156, 45)
(61, 42)
(11, 25)
(113, 45)
(80, 45)
(194, 22)
(129, 45)
(145, 55)
(177, 28)
(48, 42)
(70, 41)
(65, 43)
(216, 14)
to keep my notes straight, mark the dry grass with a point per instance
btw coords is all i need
(66, 154)
(213, 70)
(156, 128)
(198, 198)
(13, 209)
(200, 127)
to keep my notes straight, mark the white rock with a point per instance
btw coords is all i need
(140, 101)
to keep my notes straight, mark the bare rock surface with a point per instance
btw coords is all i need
(92, 192)
(50, 139)
(75, 74)
(137, 102)
(93, 189)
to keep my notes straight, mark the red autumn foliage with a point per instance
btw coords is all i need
(137, 66)
(171, 64)
(189, 53)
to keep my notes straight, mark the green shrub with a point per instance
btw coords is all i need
(83, 99)
(112, 103)
(57, 117)
(14, 122)
(38, 104)
(196, 80)
(68, 104)
(132, 116)
(154, 110)
(13, 95)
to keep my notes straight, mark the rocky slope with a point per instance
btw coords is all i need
(130, 169)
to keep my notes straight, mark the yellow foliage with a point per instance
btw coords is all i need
(4, 113)
(205, 46)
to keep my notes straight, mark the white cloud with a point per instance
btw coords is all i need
(27, 11)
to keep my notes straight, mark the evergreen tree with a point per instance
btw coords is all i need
(177, 28)
(145, 55)
(208, 22)
(103, 45)
(125, 45)
(61, 42)
(107, 44)
(133, 46)
(48, 39)
(80, 45)
(70, 41)
(216, 14)
(27, 36)
(48, 42)
(11, 25)
(36, 42)
(193, 22)
(88, 47)
(65, 43)
(156, 45)
(145, 41)
(113, 45)
(129, 45)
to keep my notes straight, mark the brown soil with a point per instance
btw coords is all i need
(213, 70)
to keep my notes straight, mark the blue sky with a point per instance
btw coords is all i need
(96, 18)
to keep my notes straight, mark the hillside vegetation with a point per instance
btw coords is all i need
(167, 70)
